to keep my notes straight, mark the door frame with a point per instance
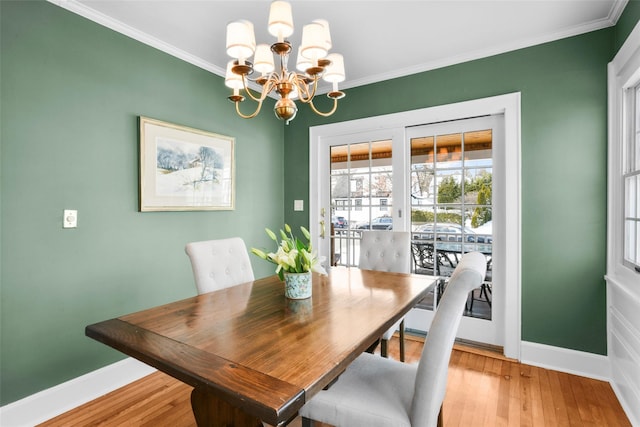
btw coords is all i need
(509, 105)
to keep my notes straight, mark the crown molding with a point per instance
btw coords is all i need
(118, 26)
(611, 20)
(616, 11)
(122, 28)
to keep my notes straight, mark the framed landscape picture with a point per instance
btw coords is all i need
(184, 169)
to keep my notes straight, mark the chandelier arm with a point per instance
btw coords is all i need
(262, 96)
(312, 94)
(248, 116)
(303, 91)
(320, 113)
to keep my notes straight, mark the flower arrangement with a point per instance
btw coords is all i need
(293, 255)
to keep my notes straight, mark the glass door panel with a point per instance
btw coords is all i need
(361, 196)
(451, 206)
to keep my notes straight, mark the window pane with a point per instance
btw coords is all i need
(635, 160)
(631, 197)
(637, 106)
(448, 187)
(358, 153)
(381, 184)
(422, 219)
(634, 151)
(631, 241)
(449, 150)
(339, 186)
(422, 151)
(631, 175)
(636, 260)
(477, 148)
(636, 251)
(422, 185)
(478, 186)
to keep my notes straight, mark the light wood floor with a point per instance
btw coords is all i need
(484, 389)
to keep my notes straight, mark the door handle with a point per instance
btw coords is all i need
(322, 229)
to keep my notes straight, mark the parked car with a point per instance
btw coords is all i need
(379, 223)
(449, 232)
(340, 222)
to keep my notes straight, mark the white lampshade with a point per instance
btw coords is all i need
(326, 33)
(280, 20)
(334, 72)
(263, 61)
(314, 43)
(231, 79)
(241, 41)
(302, 64)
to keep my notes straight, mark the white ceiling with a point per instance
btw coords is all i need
(379, 39)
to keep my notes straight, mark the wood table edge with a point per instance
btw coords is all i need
(274, 415)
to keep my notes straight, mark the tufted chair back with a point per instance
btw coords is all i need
(383, 250)
(219, 264)
(378, 392)
(431, 376)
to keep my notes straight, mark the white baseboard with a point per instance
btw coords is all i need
(564, 360)
(57, 400)
(630, 408)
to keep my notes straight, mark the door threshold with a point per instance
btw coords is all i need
(488, 350)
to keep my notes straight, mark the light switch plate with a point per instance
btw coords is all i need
(70, 218)
(298, 205)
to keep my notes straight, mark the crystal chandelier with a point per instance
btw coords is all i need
(314, 62)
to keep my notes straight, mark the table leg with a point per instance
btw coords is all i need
(211, 411)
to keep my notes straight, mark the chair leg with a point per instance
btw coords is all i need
(384, 351)
(372, 347)
(402, 341)
(485, 290)
(307, 422)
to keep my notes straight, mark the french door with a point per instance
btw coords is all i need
(452, 181)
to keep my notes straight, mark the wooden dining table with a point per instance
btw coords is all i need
(252, 355)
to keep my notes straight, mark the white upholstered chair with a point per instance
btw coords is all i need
(387, 251)
(219, 264)
(378, 392)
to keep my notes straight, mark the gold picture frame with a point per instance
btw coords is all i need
(185, 169)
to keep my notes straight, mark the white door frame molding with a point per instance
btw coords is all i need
(509, 105)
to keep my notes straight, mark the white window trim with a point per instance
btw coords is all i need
(623, 72)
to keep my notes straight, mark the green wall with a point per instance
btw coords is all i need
(563, 87)
(71, 94)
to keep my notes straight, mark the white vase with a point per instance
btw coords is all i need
(297, 285)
